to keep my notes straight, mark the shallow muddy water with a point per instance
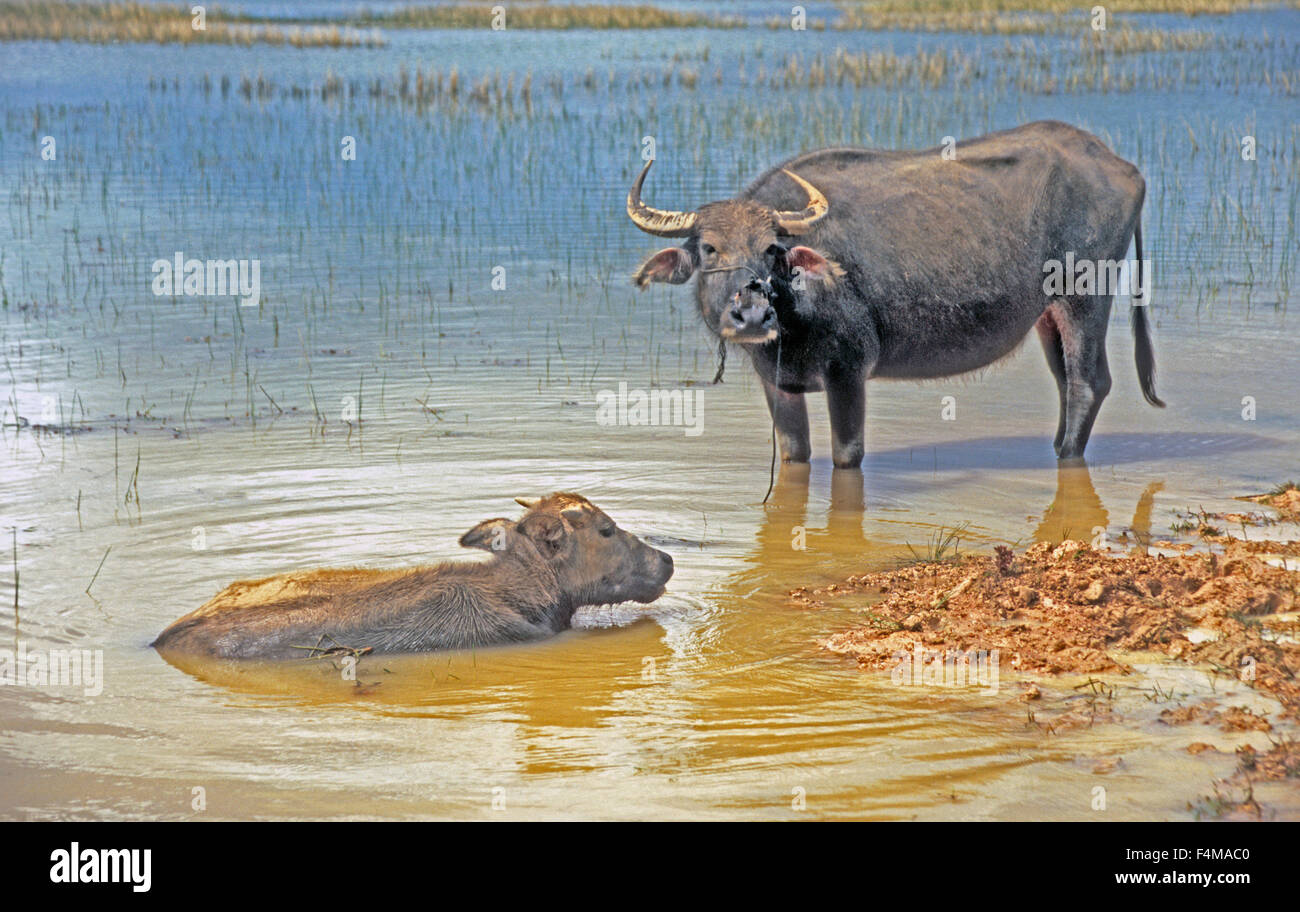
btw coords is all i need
(159, 448)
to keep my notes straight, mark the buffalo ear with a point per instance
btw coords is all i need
(545, 531)
(490, 535)
(811, 262)
(672, 264)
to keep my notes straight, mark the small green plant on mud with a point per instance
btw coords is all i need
(943, 545)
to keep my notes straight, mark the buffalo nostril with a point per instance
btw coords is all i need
(738, 316)
(769, 317)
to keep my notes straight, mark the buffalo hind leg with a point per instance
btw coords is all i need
(790, 416)
(1082, 323)
(1050, 336)
(846, 400)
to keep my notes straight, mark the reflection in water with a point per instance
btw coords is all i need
(790, 553)
(1077, 512)
(1141, 525)
(1026, 451)
(785, 541)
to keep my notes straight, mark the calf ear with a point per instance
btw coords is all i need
(672, 264)
(490, 535)
(575, 515)
(545, 531)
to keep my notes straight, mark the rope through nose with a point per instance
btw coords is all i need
(765, 286)
(776, 400)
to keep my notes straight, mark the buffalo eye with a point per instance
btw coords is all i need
(707, 249)
(607, 531)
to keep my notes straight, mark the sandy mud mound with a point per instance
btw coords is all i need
(1071, 609)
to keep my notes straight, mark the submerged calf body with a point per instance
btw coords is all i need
(563, 553)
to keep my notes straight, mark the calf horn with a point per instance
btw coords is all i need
(799, 222)
(662, 222)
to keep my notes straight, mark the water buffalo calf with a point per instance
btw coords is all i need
(563, 553)
(912, 265)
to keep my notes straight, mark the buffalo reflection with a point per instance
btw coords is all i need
(790, 552)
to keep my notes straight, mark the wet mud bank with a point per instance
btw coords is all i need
(1225, 606)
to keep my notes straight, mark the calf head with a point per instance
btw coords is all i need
(594, 561)
(749, 270)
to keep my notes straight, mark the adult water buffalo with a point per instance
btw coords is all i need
(912, 265)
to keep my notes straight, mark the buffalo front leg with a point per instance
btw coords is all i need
(790, 416)
(846, 400)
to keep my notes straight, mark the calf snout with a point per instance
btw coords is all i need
(655, 572)
(665, 565)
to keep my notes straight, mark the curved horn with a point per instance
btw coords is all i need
(799, 222)
(663, 222)
(528, 502)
